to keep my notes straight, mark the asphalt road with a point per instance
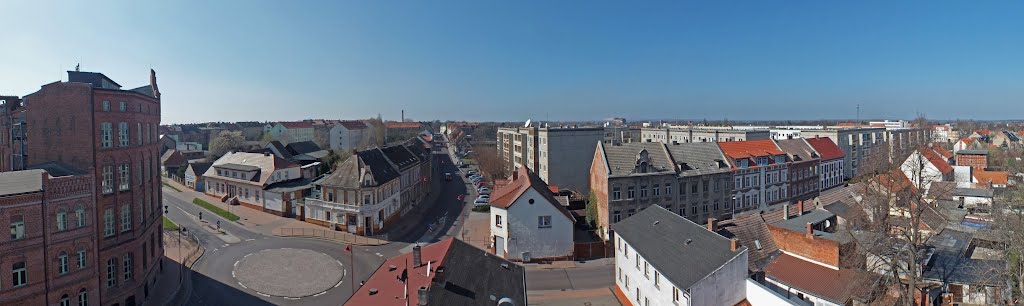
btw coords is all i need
(581, 277)
(212, 280)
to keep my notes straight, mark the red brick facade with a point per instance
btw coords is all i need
(45, 243)
(975, 161)
(599, 188)
(82, 123)
(817, 249)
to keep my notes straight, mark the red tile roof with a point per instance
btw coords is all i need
(983, 132)
(967, 140)
(297, 124)
(353, 125)
(836, 286)
(995, 177)
(936, 160)
(894, 181)
(826, 148)
(942, 151)
(385, 280)
(749, 149)
(524, 180)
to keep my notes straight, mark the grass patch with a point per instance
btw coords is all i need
(169, 225)
(214, 209)
(171, 187)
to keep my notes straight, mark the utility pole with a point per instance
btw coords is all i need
(858, 112)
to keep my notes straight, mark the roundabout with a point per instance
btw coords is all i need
(288, 272)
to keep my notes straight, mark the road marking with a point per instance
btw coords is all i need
(263, 294)
(233, 275)
(343, 272)
(224, 246)
(243, 286)
(250, 239)
(236, 266)
(215, 250)
(321, 293)
(339, 263)
(380, 255)
(291, 298)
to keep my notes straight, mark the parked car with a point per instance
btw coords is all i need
(484, 197)
(484, 190)
(481, 202)
(448, 176)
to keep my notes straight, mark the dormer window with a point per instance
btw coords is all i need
(762, 161)
(780, 159)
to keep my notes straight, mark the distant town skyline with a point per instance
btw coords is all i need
(564, 61)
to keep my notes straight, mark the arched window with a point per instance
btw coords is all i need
(83, 297)
(65, 300)
(80, 216)
(62, 263)
(62, 219)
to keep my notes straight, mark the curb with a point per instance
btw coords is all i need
(331, 240)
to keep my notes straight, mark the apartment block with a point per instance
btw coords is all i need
(864, 148)
(804, 177)
(692, 180)
(553, 152)
(760, 170)
(681, 134)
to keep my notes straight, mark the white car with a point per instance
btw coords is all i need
(481, 202)
(484, 190)
(483, 197)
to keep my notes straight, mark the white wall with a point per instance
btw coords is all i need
(272, 201)
(725, 286)
(792, 294)
(759, 295)
(524, 234)
(499, 231)
(918, 174)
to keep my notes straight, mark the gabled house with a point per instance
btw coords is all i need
(803, 168)
(449, 272)
(170, 161)
(662, 258)
(528, 223)
(924, 166)
(830, 169)
(259, 181)
(995, 179)
(1007, 139)
(194, 175)
(967, 144)
(349, 135)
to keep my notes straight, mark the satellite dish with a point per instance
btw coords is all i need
(527, 123)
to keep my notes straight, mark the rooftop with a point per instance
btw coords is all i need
(973, 152)
(825, 147)
(749, 149)
(21, 182)
(837, 286)
(683, 251)
(525, 180)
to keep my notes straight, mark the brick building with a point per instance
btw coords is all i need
(91, 123)
(760, 171)
(803, 170)
(51, 252)
(976, 159)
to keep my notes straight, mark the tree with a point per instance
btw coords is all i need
(225, 142)
(592, 217)
(488, 162)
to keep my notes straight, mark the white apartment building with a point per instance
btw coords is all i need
(861, 146)
(349, 135)
(678, 134)
(559, 155)
(663, 259)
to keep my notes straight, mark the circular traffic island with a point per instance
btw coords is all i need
(291, 273)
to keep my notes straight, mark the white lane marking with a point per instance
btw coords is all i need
(319, 294)
(233, 276)
(291, 298)
(380, 255)
(236, 265)
(263, 294)
(224, 246)
(250, 239)
(343, 272)
(243, 286)
(339, 263)
(215, 250)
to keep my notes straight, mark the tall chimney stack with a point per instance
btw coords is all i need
(417, 258)
(810, 231)
(734, 244)
(403, 115)
(712, 224)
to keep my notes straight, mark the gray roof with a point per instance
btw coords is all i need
(237, 167)
(279, 148)
(345, 174)
(947, 268)
(973, 152)
(19, 182)
(302, 147)
(683, 251)
(974, 192)
(94, 78)
(698, 158)
(380, 167)
(56, 169)
(622, 158)
(289, 186)
(797, 149)
(472, 277)
(799, 224)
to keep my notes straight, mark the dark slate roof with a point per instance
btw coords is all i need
(622, 158)
(290, 185)
(1012, 136)
(752, 232)
(146, 90)
(172, 158)
(94, 78)
(951, 242)
(799, 225)
(683, 251)
(200, 167)
(400, 156)
(302, 147)
(798, 149)
(698, 158)
(381, 169)
(472, 276)
(947, 268)
(238, 167)
(280, 148)
(973, 152)
(56, 169)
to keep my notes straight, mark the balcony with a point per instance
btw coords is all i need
(349, 208)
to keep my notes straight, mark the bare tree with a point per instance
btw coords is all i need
(225, 142)
(488, 162)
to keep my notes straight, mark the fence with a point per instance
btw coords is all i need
(184, 290)
(343, 237)
(591, 250)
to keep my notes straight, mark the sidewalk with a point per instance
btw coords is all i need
(173, 284)
(269, 224)
(414, 217)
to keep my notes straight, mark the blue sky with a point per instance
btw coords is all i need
(516, 60)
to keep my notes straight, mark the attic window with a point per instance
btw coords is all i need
(757, 244)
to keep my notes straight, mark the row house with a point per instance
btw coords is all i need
(701, 134)
(804, 175)
(830, 164)
(371, 189)
(261, 181)
(760, 171)
(94, 124)
(690, 179)
(292, 131)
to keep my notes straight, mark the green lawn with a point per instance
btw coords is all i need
(214, 209)
(172, 187)
(169, 225)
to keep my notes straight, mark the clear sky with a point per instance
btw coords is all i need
(518, 60)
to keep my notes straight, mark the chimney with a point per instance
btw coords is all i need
(152, 83)
(422, 296)
(810, 231)
(439, 274)
(734, 244)
(417, 258)
(712, 224)
(403, 115)
(785, 212)
(800, 206)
